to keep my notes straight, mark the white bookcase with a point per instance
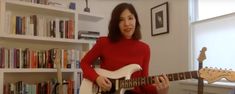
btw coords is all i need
(11, 40)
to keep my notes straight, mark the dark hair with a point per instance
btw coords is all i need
(114, 31)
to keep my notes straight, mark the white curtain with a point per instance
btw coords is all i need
(218, 35)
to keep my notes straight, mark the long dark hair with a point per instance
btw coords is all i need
(114, 31)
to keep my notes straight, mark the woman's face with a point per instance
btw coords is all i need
(127, 24)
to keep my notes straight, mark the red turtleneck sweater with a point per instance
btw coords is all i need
(117, 55)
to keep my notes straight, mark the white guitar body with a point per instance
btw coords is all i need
(88, 87)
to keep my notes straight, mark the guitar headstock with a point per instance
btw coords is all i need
(213, 74)
(202, 55)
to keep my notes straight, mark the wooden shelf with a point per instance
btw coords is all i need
(27, 6)
(45, 39)
(35, 70)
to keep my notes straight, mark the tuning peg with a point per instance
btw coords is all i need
(213, 70)
(203, 69)
(230, 71)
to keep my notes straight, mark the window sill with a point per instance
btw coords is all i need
(221, 84)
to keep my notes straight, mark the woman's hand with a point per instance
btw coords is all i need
(104, 83)
(162, 84)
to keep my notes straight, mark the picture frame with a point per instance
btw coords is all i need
(159, 19)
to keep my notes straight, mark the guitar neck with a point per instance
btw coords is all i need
(150, 80)
(200, 80)
(200, 66)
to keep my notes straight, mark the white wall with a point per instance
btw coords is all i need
(102, 8)
(169, 52)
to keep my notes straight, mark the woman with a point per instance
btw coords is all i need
(122, 47)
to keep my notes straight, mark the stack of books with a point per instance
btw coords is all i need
(89, 35)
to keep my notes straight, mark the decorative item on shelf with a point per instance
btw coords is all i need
(57, 3)
(86, 9)
(88, 35)
(72, 5)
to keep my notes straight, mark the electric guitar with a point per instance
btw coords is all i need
(121, 78)
(200, 59)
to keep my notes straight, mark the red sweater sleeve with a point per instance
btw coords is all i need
(89, 58)
(148, 89)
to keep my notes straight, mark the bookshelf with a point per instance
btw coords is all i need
(10, 39)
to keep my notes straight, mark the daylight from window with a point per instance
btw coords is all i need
(217, 33)
(212, 8)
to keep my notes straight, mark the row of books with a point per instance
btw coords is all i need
(89, 35)
(47, 87)
(79, 81)
(37, 25)
(29, 58)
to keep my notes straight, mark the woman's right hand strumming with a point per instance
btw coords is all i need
(104, 83)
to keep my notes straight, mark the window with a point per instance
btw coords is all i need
(213, 26)
(213, 8)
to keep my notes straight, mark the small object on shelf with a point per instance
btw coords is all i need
(57, 3)
(72, 5)
(86, 9)
(88, 35)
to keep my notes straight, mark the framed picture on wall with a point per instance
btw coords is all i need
(159, 19)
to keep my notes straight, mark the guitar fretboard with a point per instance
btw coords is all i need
(150, 80)
(200, 80)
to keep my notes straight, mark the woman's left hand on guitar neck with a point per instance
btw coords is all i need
(162, 84)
